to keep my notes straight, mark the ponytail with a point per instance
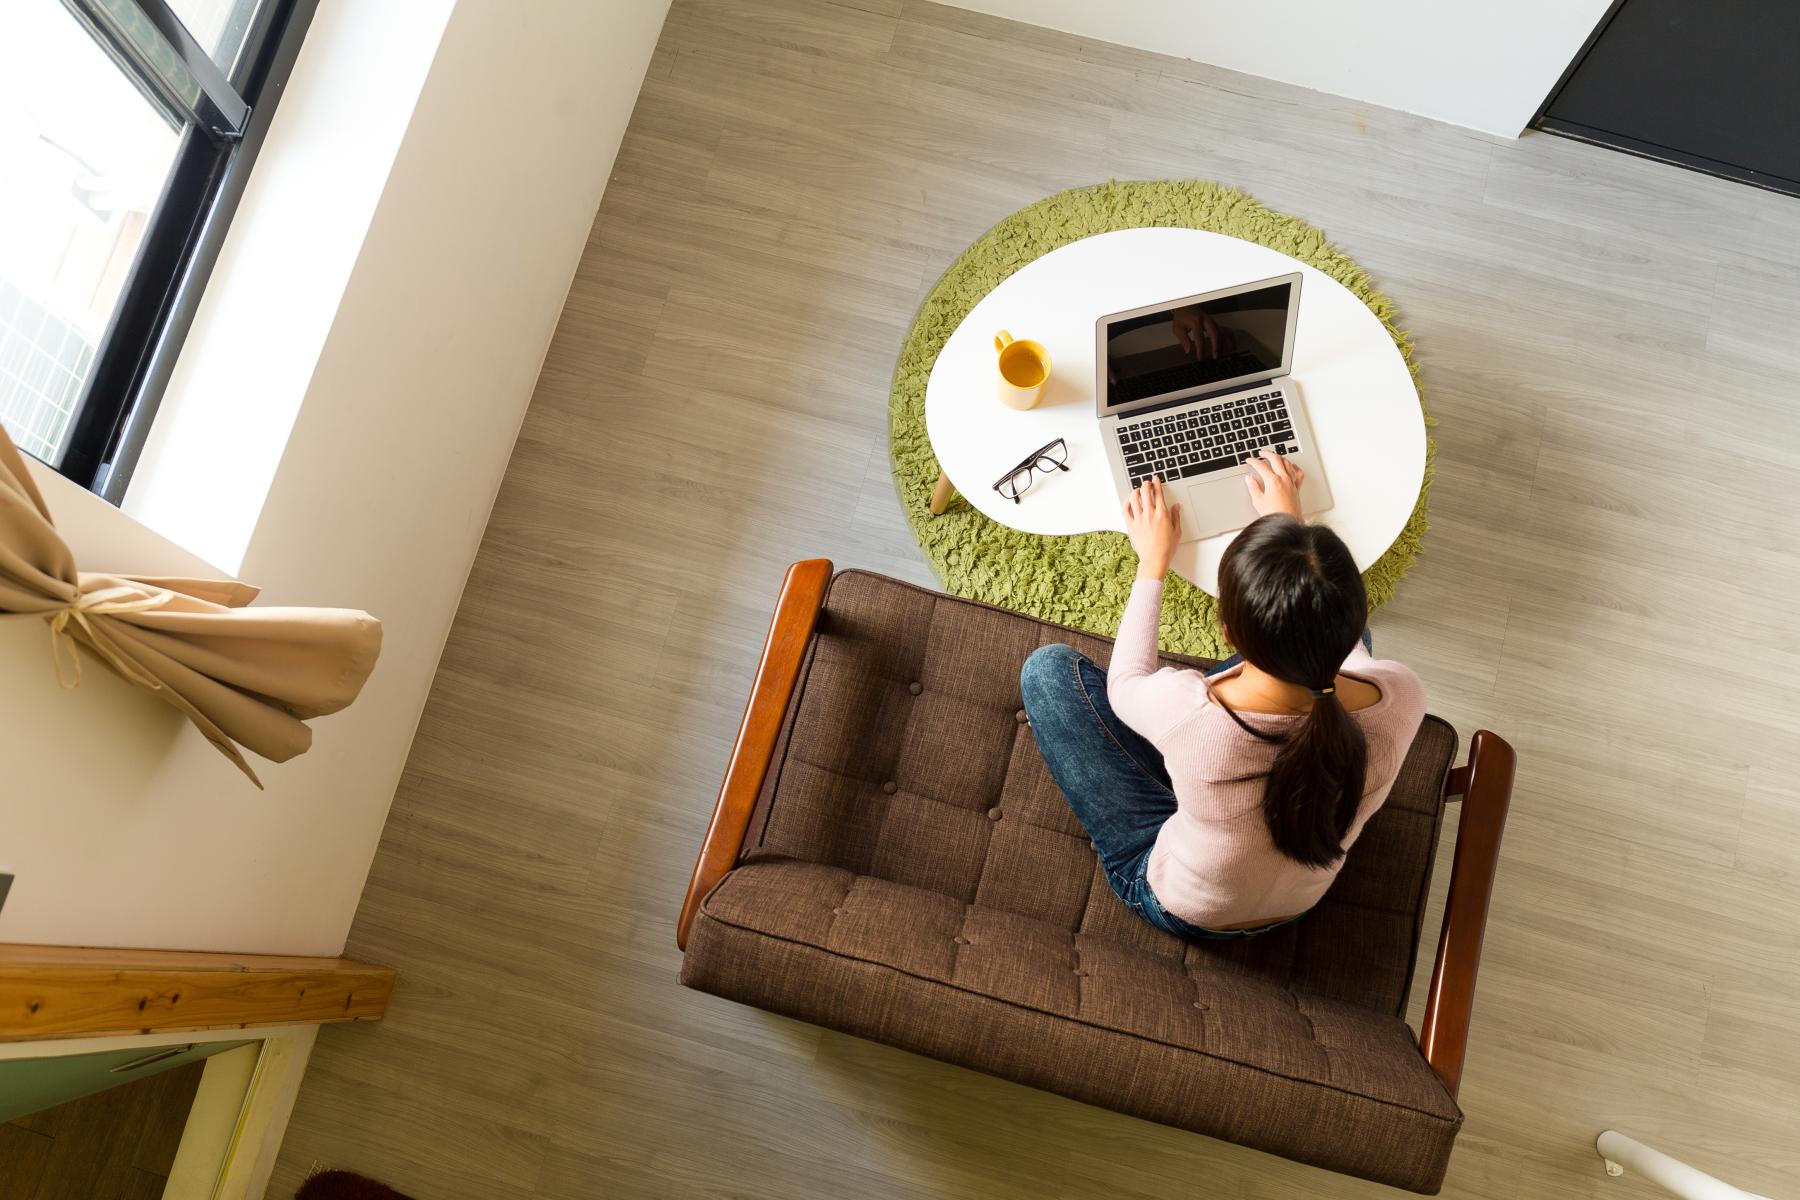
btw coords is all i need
(1316, 785)
(1293, 602)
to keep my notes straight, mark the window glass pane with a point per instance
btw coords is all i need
(218, 25)
(83, 157)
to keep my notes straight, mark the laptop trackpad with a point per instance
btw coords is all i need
(1215, 505)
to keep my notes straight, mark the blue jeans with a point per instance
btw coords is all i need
(1111, 777)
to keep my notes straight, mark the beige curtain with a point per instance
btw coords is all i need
(246, 677)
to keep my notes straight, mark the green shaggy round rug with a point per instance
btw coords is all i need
(1083, 580)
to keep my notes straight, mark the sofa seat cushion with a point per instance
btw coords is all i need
(1191, 1039)
(907, 757)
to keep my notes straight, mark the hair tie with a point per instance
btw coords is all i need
(1324, 691)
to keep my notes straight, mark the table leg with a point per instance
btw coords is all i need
(941, 494)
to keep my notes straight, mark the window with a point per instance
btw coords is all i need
(127, 130)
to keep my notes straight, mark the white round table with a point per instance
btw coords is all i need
(1367, 424)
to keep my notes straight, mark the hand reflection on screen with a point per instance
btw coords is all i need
(1200, 335)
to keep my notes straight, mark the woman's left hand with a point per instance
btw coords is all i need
(1154, 526)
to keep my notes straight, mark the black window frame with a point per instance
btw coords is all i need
(223, 121)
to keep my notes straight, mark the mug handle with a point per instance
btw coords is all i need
(1002, 340)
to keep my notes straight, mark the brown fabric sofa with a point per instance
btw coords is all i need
(890, 858)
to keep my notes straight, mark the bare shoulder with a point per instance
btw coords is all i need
(1357, 694)
(1392, 680)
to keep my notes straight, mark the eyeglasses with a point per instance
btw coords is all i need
(1017, 481)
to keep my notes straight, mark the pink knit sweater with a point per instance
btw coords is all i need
(1214, 864)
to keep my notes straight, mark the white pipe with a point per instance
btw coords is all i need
(1620, 1152)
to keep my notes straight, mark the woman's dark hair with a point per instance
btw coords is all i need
(1293, 605)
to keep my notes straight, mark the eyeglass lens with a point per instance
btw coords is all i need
(1017, 483)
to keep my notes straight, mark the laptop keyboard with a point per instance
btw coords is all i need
(1186, 443)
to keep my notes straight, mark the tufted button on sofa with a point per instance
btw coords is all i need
(890, 858)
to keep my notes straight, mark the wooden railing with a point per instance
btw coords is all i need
(62, 991)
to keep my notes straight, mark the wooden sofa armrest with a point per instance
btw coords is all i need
(1485, 786)
(796, 614)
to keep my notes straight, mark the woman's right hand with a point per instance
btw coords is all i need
(1154, 526)
(1274, 484)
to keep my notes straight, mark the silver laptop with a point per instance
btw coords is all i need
(1190, 389)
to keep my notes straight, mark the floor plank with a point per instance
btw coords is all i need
(23, 1153)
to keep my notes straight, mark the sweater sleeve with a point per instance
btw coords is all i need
(1147, 698)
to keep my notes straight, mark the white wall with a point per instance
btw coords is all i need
(262, 324)
(125, 828)
(1486, 64)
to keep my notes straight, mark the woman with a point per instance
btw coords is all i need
(1222, 806)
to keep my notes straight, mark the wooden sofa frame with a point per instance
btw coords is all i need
(1483, 784)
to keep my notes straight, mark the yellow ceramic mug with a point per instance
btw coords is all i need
(1024, 370)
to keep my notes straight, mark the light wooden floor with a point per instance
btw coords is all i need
(1610, 580)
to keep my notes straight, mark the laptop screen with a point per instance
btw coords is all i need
(1193, 347)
